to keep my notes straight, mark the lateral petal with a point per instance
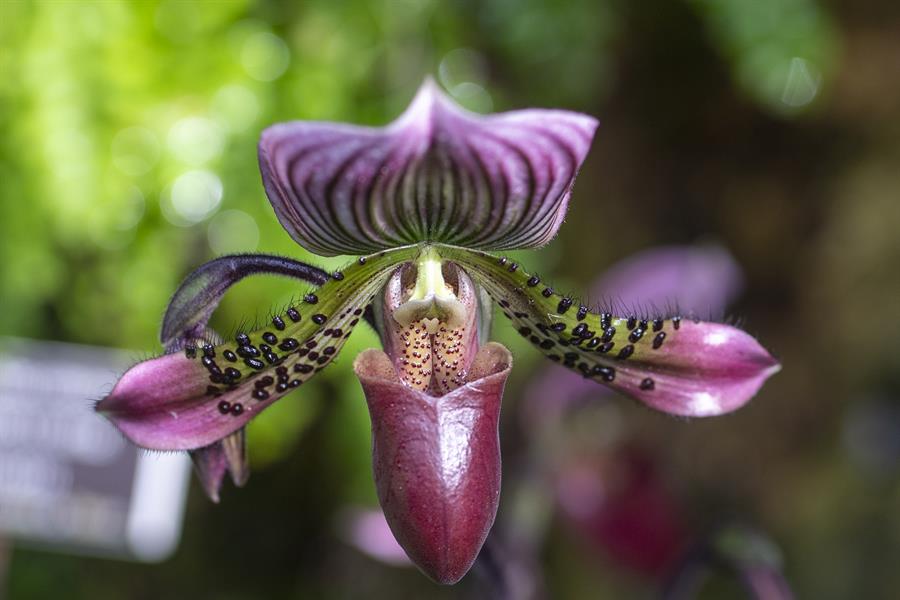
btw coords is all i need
(677, 366)
(190, 399)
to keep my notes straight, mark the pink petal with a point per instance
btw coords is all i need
(370, 533)
(162, 404)
(228, 455)
(702, 370)
(619, 502)
(697, 280)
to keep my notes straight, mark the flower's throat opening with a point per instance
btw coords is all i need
(430, 311)
(432, 299)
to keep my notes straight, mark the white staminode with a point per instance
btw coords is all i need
(432, 299)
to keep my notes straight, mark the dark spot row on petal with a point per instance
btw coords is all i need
(591, 341)
(264, 364)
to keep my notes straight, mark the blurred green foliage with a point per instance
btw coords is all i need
(127, 158)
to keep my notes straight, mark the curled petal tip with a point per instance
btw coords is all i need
(436, 460)
(708, 369)
(199, 294)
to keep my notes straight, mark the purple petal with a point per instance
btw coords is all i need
(210, 466)
(673, 365)
(199, 294)
(227, 455)
(437, 460)
(702, 370)
(697, 279)
(436, 173)
(194, 398)
(370, 533)
(618, 501)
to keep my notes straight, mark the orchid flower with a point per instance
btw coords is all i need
(423, 202)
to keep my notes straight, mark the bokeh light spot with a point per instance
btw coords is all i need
(193, 197)
(265, 56)
(233, 231)
(196, 140)
(473, 96)
(802, 83)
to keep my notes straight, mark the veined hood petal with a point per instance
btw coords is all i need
(437, 459)
(438, 173)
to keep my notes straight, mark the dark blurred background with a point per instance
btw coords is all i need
(770, 127)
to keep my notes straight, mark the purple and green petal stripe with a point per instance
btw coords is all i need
(674, 365)
(438, 173)
(193, 398)
(698, 280)
(199, 294)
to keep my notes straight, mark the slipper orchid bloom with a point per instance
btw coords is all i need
(421, 202)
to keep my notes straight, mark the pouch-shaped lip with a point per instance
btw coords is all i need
(436, 459)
